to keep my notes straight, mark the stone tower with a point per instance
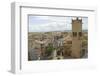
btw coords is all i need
(76, 37)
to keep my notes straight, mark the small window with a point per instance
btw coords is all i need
(80, 34)
(74, 34)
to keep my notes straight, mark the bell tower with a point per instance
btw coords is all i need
(76, 37)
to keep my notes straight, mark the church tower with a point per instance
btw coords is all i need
(76, 37)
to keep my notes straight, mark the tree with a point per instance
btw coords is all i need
(49, 49)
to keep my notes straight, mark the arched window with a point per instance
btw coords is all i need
(74, 34)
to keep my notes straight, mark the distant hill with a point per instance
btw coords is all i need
(85, 30)
(63, 31)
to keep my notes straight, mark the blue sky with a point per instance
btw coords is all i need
(53, 23)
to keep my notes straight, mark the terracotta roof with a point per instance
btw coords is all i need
(68, 38)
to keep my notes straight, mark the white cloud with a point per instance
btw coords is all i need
(54, 24)
(42, 18)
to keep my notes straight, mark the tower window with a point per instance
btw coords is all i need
(74, 34)
(80, 34)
